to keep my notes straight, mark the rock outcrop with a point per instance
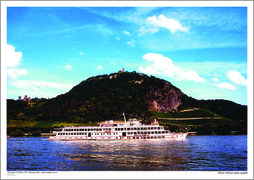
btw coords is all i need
(165, 100)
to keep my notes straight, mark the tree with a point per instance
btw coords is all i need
(17, 133)
(36, 133)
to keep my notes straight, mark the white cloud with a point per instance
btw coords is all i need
(126, 32)
(163, 22)
(149, 70)
(68, 67)
(190, 75)
(143, 30)
(81, 53)
(13, 73)
(160, 65)
(215, 79)
(131, 43)
(38, 85)
(11, 57)
(99, 67)
(237, 78)
(225, 85)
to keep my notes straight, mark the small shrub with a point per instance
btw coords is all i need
(36, 133)
(17, 133)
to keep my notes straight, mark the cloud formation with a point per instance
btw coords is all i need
(237, 78)
(160, 65)
(215, 79)
(39, 85)
(155, 23)
(99, 67)
(126, 32)
(68, 67)
(131, 43)
(225, 85)
(14, 73)
(12, 59)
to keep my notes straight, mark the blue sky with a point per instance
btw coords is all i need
(201, 50)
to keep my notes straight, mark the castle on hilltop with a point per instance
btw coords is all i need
(25, 98)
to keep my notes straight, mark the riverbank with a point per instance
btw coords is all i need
(42, 135)
(32, 128)
(28, 135)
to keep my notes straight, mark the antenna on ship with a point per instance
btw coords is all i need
(124, 117)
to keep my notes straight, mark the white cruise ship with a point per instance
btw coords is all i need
(115, 130)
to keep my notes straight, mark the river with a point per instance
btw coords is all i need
(196, 153)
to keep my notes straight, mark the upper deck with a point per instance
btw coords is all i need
(111, 125)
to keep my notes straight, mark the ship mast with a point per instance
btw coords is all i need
(124, 117)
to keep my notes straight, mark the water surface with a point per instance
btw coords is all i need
(196, 153)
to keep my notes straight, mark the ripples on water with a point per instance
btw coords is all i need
(196, 153)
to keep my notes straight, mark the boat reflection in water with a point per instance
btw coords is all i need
(129, 155)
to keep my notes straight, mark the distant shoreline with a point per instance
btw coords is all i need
(26, 135)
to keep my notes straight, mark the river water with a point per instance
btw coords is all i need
(196, 153)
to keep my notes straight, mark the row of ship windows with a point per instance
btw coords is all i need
(129, 133)
(67, 134)
(145, 137)
(116, 129)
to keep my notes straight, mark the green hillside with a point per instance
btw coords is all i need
(107, 96)
(200, 121)
(191, 117)
(192, 113)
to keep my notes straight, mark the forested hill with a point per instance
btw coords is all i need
(108, 96)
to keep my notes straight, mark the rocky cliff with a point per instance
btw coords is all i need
(165, 100)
